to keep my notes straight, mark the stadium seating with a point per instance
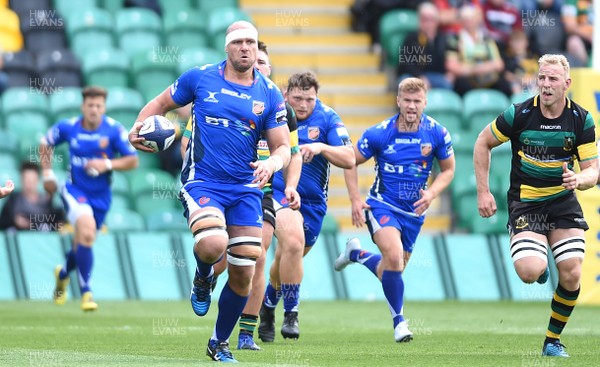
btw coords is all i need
(11, 38)
(157, 201)
(168, 220)
(59, 68)
(124, 105)
(90, 30)
(112, 5)
(472, 268)
(65, 104)
(68, 7)
(482, 106)
(8, 161)
(149, 161)
(137, 29)
(184, 28)
(173, 5)
(153, 72)
(394, 25)
(106, 67)
(446, 107)
(120, 183)
(149, 181)
(520, 291)
(120, 201)
(209, 5)
(40, 253)
(198, 56)
(20, 67)
(155, 264)
(122, 220)
(10, 144)
(218, 21)
(520, 97)
(7, 291)
(108, 282)
(43, 30)
(422, 277)
(20, 105)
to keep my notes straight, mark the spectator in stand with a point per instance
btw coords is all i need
(545, 29)
(29, 209)
(577, 17)
(449, 17)
(501, 20)
(473, 57)
(422, 54)
(521, 65)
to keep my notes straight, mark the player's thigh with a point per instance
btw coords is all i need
(77, 207)
(385, 231)
(313, 215)
(528, 225)
(242, 252)
(568, 249)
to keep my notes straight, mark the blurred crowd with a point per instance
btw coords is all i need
(484, 43)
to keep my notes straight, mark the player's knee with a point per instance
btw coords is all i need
(529, 275)
(243, 251)
(208, 223)
(85, 230)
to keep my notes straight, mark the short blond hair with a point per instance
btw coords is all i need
(411, 85)
(550, 59)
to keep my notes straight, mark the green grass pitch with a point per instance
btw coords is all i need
(137, 333)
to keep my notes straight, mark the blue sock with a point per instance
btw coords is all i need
(393, 288)
(231, 306)
(291, 297)
(85, 261)
(202, 268)
(367, 259)
(70, 264)
(272, 296)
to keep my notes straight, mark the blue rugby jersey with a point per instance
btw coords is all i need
(227, 121)
(322, 126)
(403, 160)
(109, 140)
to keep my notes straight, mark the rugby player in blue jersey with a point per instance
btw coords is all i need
(404, 147)
(97, 145)
(323, 139)
(221, 176)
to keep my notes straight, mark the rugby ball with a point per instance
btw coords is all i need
(158, 131)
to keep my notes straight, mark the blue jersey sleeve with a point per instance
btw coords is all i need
(443, 148)
(183, 90)
(367, 144)
(120, 142)
(337, 134)
(58, 133)
(278, 111)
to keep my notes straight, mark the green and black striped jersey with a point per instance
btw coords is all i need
(541, 145)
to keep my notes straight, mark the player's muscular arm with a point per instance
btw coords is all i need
(278, 140)
(291, 176)
(584, 179)
(159, 105)
(481, 159)
(351, 178)
(442, 180)
(48, 176)
(340, 156)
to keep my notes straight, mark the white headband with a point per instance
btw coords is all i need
(242, 33)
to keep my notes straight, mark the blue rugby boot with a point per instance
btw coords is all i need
(200, 295)
(246, 341)
(554, 349)
(218, 350)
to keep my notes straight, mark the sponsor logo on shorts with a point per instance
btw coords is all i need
(384, 220)
(81, 199)
(284, 201)
(203, 200)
